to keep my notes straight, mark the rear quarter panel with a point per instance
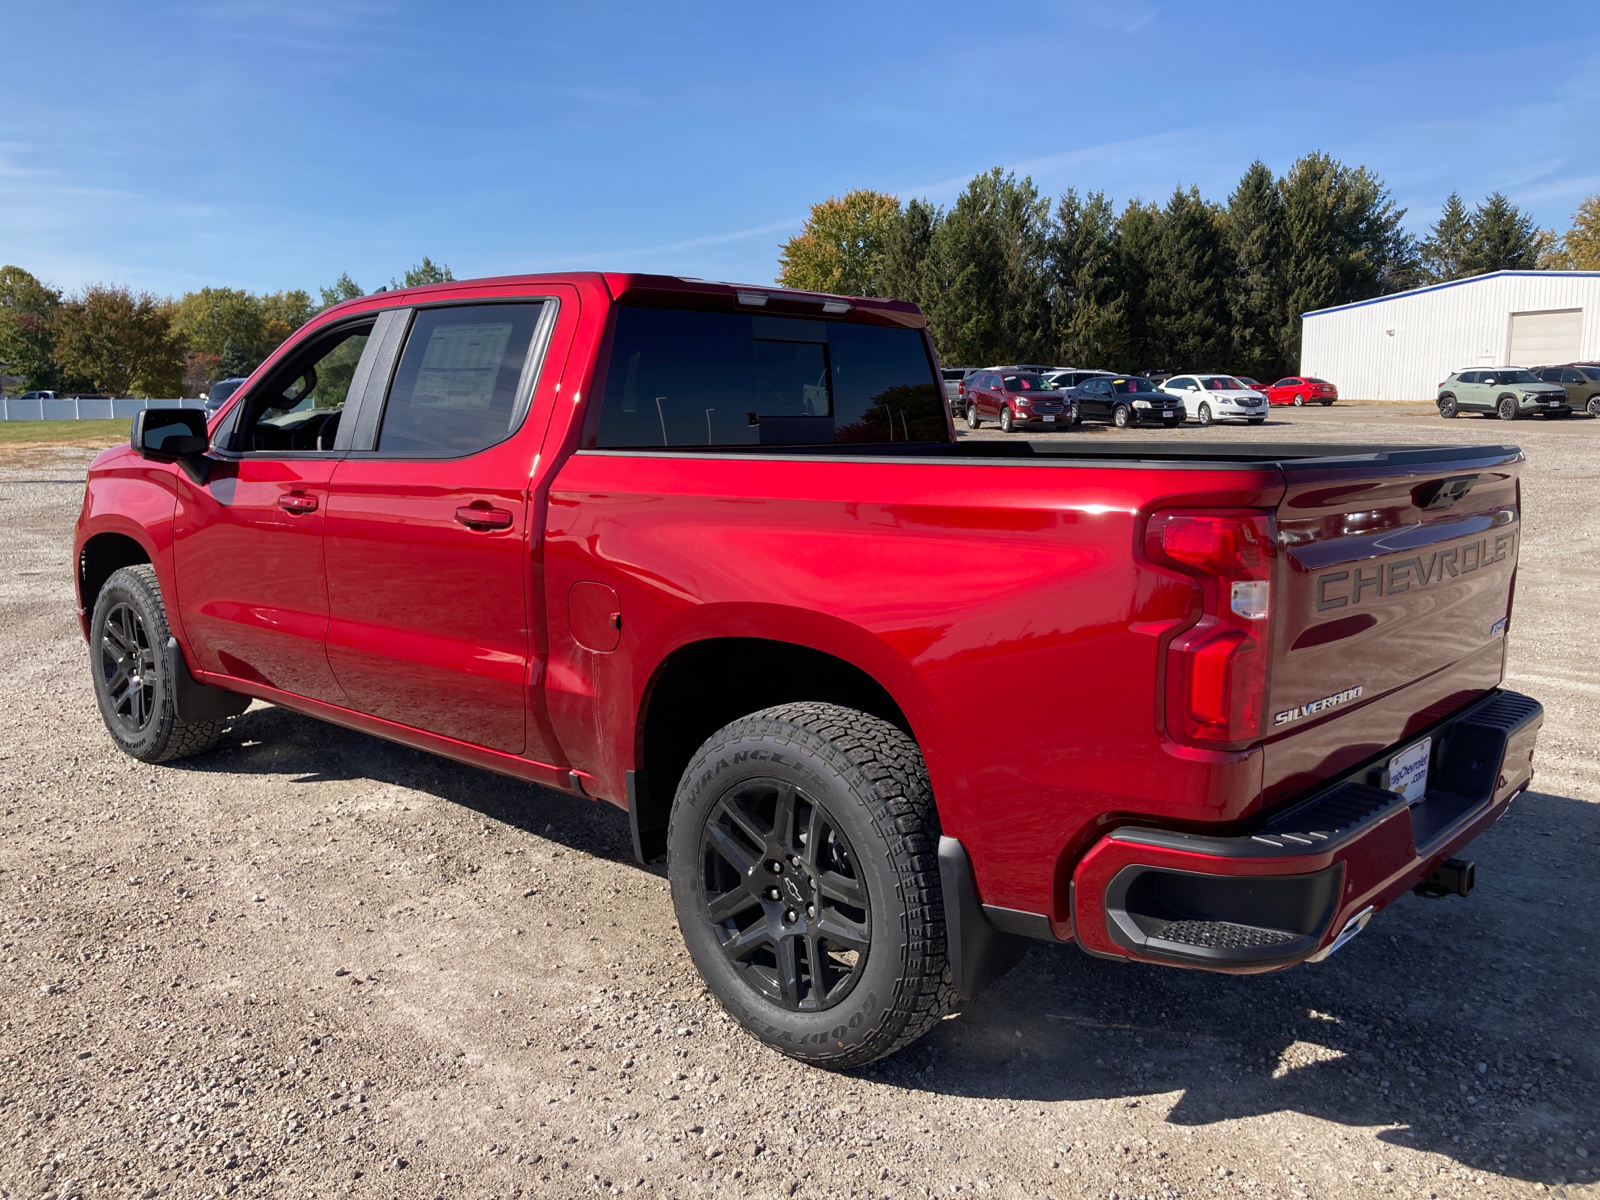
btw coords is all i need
(1003, 607)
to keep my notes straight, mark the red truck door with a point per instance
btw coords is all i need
(248, 539)
(429, 542)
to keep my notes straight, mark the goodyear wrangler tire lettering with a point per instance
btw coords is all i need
(801, 855)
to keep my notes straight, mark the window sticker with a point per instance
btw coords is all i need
(461, 365)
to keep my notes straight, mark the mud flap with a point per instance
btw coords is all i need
(979, 953)
(195, 703)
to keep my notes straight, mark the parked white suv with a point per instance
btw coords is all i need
(1208, 398)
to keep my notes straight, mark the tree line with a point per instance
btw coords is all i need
(1005, 275)
(111, 340)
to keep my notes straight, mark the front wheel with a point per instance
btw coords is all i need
(1447, 407)
(1299, 401)
(1121, 416)
(1204, 415)
(1007, 425)
(802, 855)
(1507, 409)
(132, 684)
(1074, 416)
(972, 416)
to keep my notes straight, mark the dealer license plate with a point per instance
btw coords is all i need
(1408, 771)
(1050, 418)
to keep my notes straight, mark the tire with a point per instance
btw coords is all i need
(1204, 414)
(860, 789)
(1447, 407)
(1122, 416)
(1299, 401)
(1506, 410)
(972, 416)
(1074, 416)
(1006, 423)
(129, 632)
(1594, 406)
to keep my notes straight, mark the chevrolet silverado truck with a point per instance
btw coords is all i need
(715, 554)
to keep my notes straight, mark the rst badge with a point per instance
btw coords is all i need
(1313, 707)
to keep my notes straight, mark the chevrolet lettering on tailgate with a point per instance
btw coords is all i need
(1339, 588)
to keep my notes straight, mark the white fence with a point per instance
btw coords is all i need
(16, 409)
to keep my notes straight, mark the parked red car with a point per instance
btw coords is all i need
(1014, 397)
(1299, 390)
(715, 555)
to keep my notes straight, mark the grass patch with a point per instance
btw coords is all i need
(65, 433)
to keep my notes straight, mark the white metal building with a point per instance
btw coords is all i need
(1399, 347)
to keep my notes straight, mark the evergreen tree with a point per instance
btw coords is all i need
(1138, 248)
(235, 360)
(840, 249)
(1343, 241)
(1088, 309)
(1187, 298)
(1445, 248)
(907, 243)
(425, 272)
(1255, 237)
(343, 288)
(1501, 237)
(984, 291)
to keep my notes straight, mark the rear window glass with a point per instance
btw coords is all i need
(684, 378)
(456, 389)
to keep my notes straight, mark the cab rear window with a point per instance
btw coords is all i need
(681, 378)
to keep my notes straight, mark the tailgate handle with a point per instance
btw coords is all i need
(1442, 493)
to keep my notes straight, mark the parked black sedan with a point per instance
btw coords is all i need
(1125, 400)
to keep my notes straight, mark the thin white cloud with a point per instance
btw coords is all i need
(716, 239)
(1143, 21)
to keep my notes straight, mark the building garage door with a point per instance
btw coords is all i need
(1538, 338)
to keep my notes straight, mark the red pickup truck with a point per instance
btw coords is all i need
(891, 704)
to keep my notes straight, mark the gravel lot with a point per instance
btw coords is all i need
(315, 964)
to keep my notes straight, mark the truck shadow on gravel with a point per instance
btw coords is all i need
(1461, 1027)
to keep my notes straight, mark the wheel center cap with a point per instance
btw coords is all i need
(792, 890)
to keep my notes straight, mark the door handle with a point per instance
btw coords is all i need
(297, 502)
(484, 518)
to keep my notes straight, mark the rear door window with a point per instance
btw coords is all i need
(460, 385)
(680, 378)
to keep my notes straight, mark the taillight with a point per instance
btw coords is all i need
(1217, 668)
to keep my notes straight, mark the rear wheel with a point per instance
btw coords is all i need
(1507, 408)
(1007, 425)
(1447, 407)
(802, 855)
(1594, 406)
(1121, 416)
(1299, 401)
(1204, 415)
(972, 416)
(131, 682)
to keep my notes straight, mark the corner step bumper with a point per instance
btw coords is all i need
(1277, 894)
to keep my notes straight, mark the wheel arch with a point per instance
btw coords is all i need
(707, 682)
(102, 556)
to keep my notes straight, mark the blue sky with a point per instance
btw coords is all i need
(275, 144)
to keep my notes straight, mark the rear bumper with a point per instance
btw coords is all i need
(1281, 893)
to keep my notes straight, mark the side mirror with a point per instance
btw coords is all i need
(170, 434)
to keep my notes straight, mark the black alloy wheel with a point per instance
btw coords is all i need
(1447, 407)
(1204, 415)
(783, 895)
(802, 851)
(128, 669)
(1507, 409)
(1121, 416)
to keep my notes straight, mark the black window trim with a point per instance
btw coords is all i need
(376, 398)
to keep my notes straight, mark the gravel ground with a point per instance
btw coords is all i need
(315, 964)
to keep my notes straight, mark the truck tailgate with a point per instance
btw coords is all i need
(1395, 584)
